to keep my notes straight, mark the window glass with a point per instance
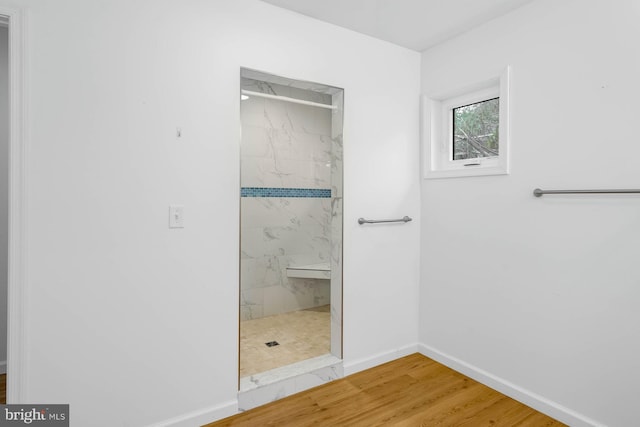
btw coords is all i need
(475, 130)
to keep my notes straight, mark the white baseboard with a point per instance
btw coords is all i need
(3, 367)
(201, 417)
(518, 393)
(378, 359)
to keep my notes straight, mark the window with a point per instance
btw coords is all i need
(475, 130)
(466, 132)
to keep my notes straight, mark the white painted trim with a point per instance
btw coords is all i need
(202, 416)
(540, 403)
(17, 337)
(378, 359)
(3, 367)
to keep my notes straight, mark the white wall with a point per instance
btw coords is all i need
(128, 321)
(543, 293)
(4, 189)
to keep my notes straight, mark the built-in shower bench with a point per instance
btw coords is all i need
(311, 271)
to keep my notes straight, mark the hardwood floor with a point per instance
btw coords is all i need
(3, 389)
(411, 391)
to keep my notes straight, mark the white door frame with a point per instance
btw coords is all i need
(16, 333)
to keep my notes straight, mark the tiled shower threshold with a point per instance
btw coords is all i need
(265, 387)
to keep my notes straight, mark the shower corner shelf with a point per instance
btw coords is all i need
(311, 271)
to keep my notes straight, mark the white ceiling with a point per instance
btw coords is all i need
(415, 24)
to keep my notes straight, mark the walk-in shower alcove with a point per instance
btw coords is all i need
(290, 228)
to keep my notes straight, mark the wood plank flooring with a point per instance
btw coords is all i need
(3, 389)
(411, 391)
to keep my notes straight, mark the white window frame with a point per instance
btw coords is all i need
(438, 130)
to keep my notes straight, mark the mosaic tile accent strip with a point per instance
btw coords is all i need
(318, 193)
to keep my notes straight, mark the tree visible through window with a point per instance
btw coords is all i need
(475, 130)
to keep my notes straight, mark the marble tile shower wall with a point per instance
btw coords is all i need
(284, 145)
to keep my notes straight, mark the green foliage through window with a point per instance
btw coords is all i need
(475, 130)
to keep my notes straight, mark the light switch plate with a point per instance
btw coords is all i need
(176, 216)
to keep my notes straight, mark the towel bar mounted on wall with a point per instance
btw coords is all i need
(377, 221)
(538, 192)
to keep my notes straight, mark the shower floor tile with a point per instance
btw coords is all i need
(300, 335)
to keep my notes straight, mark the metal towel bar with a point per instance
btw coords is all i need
(377, 221)
(538, 192)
